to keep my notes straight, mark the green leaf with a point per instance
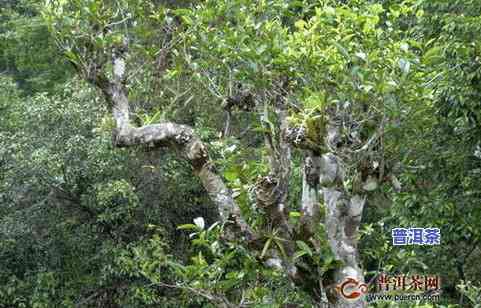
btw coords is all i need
(181, 12)
(299, 254)
(153, 119)
(266, 247)
(300, 24)
(187, 227)
(231, 175)
(281, 248)
(304, 247)
(433, 55)
(294, 214)
(342, 50)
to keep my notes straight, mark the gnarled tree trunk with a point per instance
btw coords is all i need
(343, 218)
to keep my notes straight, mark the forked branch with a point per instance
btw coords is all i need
(182, 138)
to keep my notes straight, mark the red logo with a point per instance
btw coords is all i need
(351, 288)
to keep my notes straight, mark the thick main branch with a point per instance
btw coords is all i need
(176, 136)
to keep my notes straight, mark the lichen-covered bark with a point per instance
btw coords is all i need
(343, 217)
(272, 190)
(310, 210)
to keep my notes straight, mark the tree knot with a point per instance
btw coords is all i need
(183, 137)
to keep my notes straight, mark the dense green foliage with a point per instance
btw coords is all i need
(85, 224)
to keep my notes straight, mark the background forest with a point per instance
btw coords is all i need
(236, 153)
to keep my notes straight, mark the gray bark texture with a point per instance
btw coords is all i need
(310, 217)
(343, 218)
